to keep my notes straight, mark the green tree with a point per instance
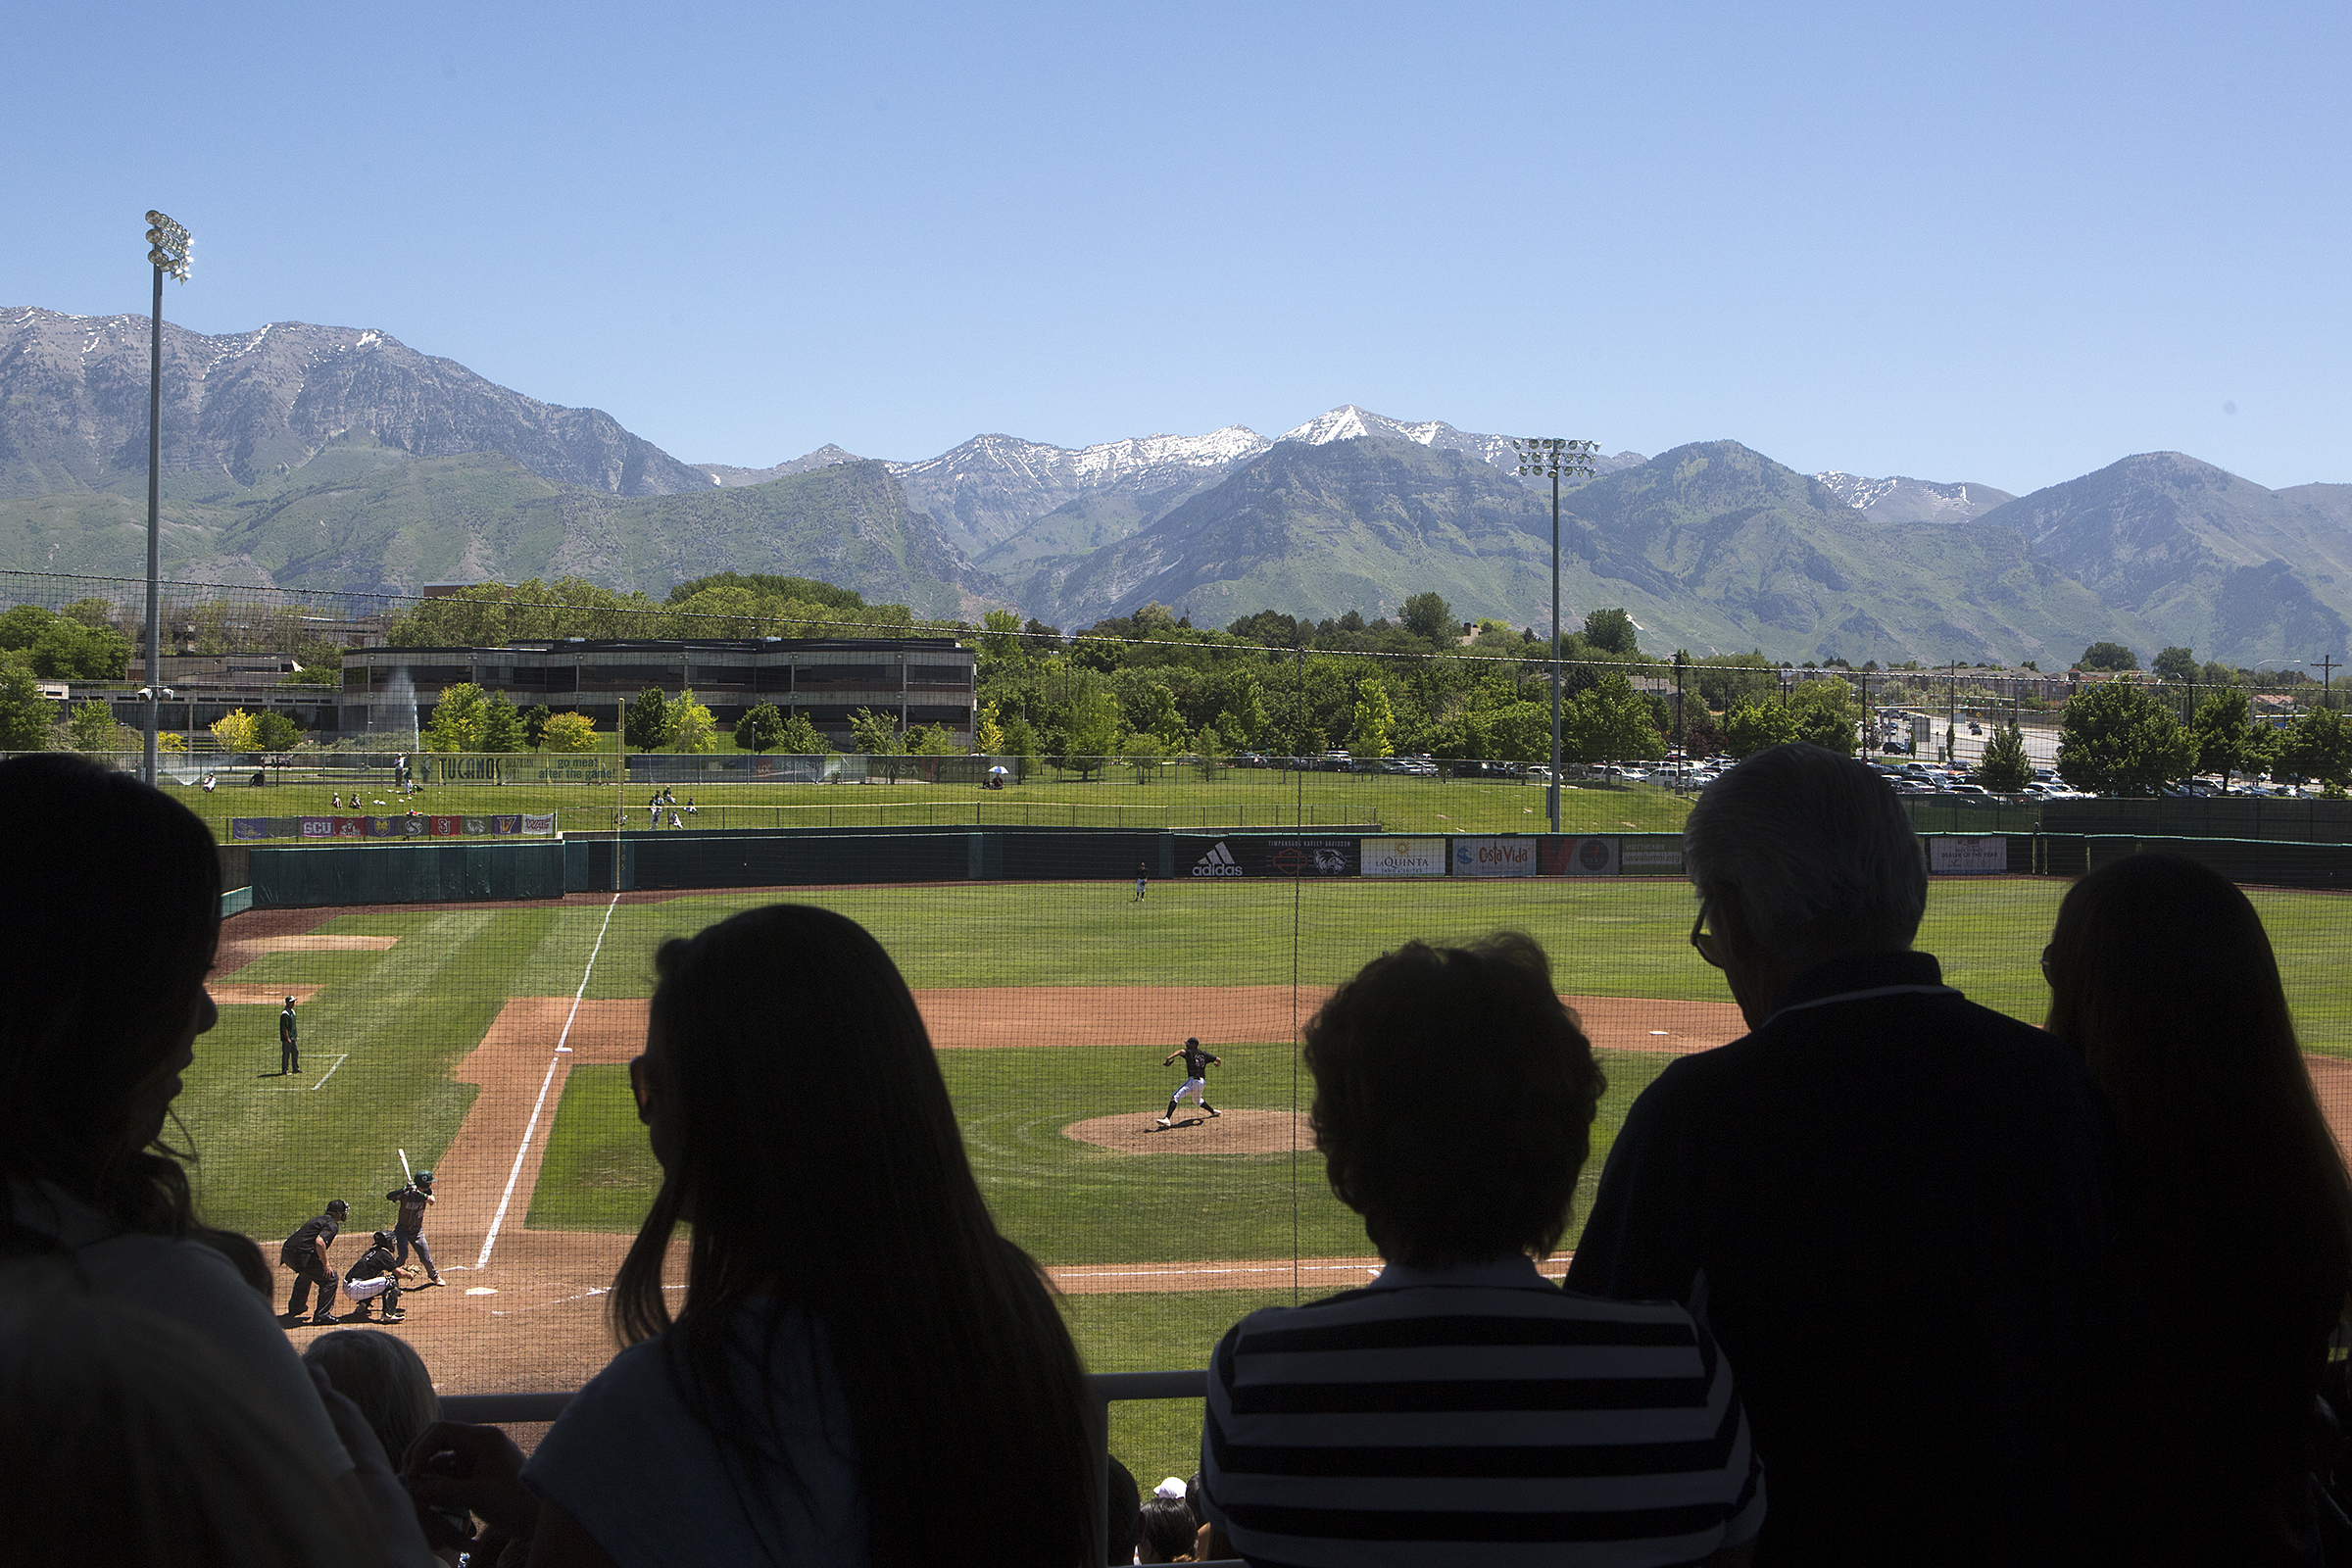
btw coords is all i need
(89, 613)
(800, 738)
(1757, 723)
(235, 731)
(1156, 714)
(2120, 740)
(2227, 739)
(24, 719)
(647, 721)
(570, 734)
(1612, 631)
(876, 734)
(987, 736)
(761, 729)
(2005, 768)
(67, 650)
(534, 726)
(274, 732)
(457, 724)
(2175, 665)
(1375, 715)
(1428, 614)
(2107, 656)
(687, 724)
(502, 726)
(91, 727)
(1609, 723)
(2318, 746)
(1827, 715)
(1090, 730)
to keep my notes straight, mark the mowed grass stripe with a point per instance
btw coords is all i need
(1064, 1201)
(408, 1015)
(273, 1153)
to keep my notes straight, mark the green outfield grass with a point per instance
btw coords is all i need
(1064, 1201)
(273, 1149)
(1238, 798)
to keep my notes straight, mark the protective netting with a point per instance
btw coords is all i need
(469, 940)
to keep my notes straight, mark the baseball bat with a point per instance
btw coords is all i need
(404, 1166)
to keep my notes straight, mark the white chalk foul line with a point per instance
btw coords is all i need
(552, 1063)
(313, 1086)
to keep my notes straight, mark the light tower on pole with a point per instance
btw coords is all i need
(168, 247)
(1540, 456)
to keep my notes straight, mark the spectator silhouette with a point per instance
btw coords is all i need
(1166, 1533)
(131, 1439)
(1890, 1198)
(2236, 1250)
(1126, 1514)
(385, 1377)
(1463, 1407)
(857, 1341)
(104, 947)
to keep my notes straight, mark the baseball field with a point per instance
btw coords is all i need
(487, 1040)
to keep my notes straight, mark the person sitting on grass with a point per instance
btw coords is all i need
(857, 1341)
(1463, 1407)
(1892, 1201)
(2235, 1257)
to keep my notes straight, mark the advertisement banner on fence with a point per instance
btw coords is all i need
(1248, 856)
(1654, 855)
(1404, 857)
(529, 823)
(1494, 857)
(1968, 857)
(260, 827)
(1571, 857)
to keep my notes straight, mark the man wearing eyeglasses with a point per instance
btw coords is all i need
(1887, 1200)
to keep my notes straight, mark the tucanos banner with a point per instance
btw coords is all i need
(1950, 855)
(1497, 856)
(1235, 854)
(1577, 856)
(1404, 857)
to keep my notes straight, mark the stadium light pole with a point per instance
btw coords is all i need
(1540, 456)
(168, 247)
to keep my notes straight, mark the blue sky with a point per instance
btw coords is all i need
(1993, 243)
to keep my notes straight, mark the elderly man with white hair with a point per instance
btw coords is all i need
(1887, 1201)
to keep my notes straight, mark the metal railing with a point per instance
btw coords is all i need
(1106, 1388)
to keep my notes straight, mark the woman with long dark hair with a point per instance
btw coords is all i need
(2235, 1260)
(107, 931)
(858, 1346)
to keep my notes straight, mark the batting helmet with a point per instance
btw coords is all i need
(384, 1238)
(338, 1206)
(424, 1178)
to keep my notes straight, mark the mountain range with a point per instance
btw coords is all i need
(326, 457)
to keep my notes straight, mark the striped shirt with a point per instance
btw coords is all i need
(1479, 1416)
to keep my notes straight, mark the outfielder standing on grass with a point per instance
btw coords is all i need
(1142, 881)
(408, 1230)
(305, 1252)
(1197, 1062)
(289, 1054)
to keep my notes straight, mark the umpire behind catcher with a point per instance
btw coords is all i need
(305, 1252)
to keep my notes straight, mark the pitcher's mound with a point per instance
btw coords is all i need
(1196, 1132)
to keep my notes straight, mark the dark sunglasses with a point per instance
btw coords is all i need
(2045, 962)
(1704, 939)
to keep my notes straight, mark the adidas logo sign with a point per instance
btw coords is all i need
(1218, 862)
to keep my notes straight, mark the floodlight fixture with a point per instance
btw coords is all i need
(168, 245)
